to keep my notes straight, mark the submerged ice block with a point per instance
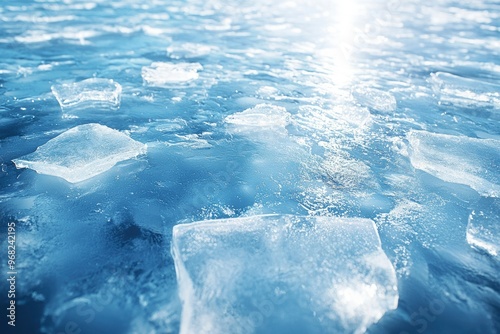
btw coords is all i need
(160, 74)
(89, 93)
(282, 274)
(483, 228)
(81, 153)
(458, 159)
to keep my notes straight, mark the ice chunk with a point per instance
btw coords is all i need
(190, 50)
(261, 117)
(89, 93)
(375, 99)
(483, 229)
(82, 152)
(161, 74)
(465, 92)
(279, 274)
(458, 159)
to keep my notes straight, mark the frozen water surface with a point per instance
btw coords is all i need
(342, 113)
(81, 153)
(268, 274)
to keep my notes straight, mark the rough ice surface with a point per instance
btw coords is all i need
(483, 228)
(282, 274)
(458, 159)
(89, 93)
(262, 117)
(375, 98)
(81, 153)
(160, 74)
(465, 92)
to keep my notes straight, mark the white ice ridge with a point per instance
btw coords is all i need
(261, 117)
(483, 228)
(89, 93)
(81, 153)
(161, 74)
(465, 91)
(458, 159)
(282, 274)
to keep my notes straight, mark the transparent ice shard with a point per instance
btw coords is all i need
(81, 153)
(160, 74)
(483, 228)
(282, 274)
(88, 94)
(458, 159)
(465, 92)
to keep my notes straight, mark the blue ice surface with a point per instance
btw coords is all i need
(394, 115)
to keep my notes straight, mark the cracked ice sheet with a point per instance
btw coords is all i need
(458, 159)
(267, 274)
(81, 153)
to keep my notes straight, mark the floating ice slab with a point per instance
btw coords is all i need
(483, 229)
(458, 159)
(161, 74)
(89, 93)
(282, 274)
(465, 91)
(261, 117)
(81, 153)
(375, 99)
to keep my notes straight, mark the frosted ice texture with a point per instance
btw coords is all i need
(89, 93)
(160, 74)
(483, 228)
(81, 153)
(458, 159)
(282, 274)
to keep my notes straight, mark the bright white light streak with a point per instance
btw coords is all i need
(342, 29)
